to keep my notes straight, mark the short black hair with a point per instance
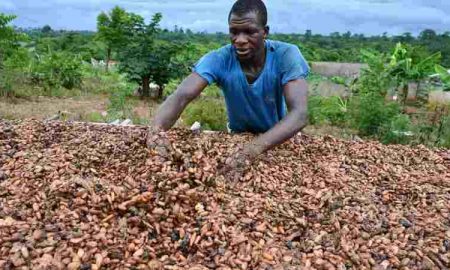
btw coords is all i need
(242, 7)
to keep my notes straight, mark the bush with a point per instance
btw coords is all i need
(171, 87)
(370, 112)
(6, 88)
(60, 69)
(119, 105)
(444, 132)
(212, 91)
(327, 110)
(210, 112)
(398, 130)
(13, 72)
(435, 131)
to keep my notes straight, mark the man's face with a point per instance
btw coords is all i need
(247, 35)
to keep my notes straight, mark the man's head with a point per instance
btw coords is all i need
(248, 28)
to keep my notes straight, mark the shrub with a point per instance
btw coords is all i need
(370, 112)
(444, 132)
(210, 112)
(13, 72)
(212, 91)
(60, 69)
(327, 110)
(398, 130)
(119, 105)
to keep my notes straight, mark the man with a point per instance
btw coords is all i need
(258, 77)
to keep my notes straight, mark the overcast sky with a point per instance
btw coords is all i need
(370, 17)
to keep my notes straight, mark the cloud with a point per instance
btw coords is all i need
(289, 16)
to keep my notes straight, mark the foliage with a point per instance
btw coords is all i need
(8, 36)
(370, 112)
(211, 91)
(411, 64)
(115, 28)
(14, 72)
(398, 130)
(83, 44)
(162, 66)
(12, 58)
(120, 92)
(327, 110)
(432, 128)
(444, 132)
(376, 78)
(171, 87)
(444, 75)
(146, 60)
(210, 112)
(57, 69)
(339, 80)
(98, 81)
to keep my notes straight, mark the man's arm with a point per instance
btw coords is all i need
(296, 95)
(171, 109)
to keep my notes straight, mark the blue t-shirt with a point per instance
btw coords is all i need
(259, 106)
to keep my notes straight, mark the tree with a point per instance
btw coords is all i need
(347, 35)
(46, 29)
(8, 36)
(427, 35)
(144, 59)
(113, 28)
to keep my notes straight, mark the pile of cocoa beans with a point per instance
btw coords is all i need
(84, 196)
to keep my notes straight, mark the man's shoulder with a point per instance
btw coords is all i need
(281, 48)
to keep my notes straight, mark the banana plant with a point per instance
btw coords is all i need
(410, 65)
(444, 75)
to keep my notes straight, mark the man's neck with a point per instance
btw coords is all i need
(256, 63)
(252, 68)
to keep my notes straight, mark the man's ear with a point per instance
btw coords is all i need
(266, 31)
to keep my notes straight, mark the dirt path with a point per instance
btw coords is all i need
(43, 107)
(73, 108)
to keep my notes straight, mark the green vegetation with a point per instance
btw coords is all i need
(127, 53)
(444, 76)
(370, 110)
(210, 112)
(113, 29)
(55, 70)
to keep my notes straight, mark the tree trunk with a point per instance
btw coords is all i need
(160, 92)
(108, 58)
(404, 94)
(146, 86)
(1, 58)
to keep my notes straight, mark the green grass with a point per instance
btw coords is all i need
(95, 117)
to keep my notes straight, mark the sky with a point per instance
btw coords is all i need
(369, 17)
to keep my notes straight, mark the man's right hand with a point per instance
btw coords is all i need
(158, 141)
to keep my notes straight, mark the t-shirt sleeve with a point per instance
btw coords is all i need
(293, 65)
(209, 67)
